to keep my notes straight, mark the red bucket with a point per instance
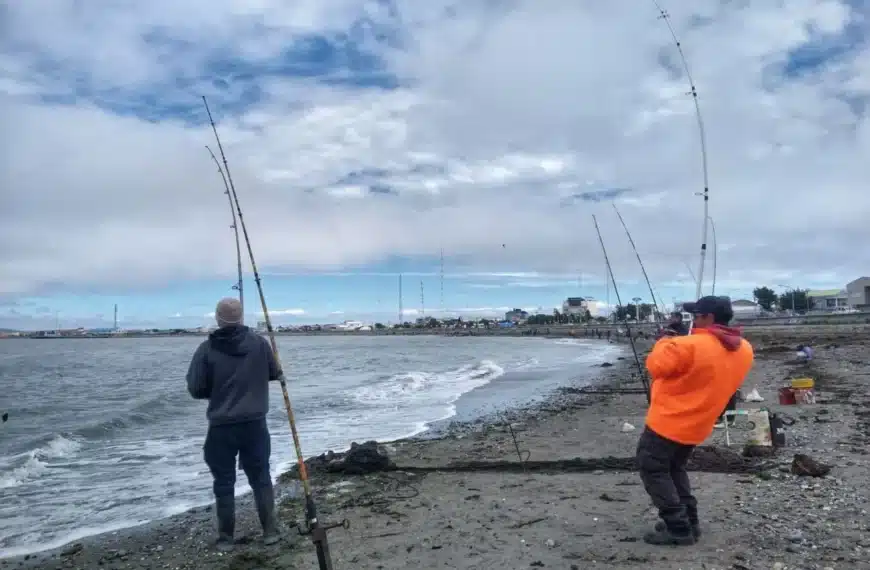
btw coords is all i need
(786, 396)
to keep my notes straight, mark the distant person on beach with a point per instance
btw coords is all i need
(805, 352)
(232, 370)
(675, 326)
(692, 379)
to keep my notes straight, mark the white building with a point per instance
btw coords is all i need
(858, 293)
(829, 299)
(575, 306)
(516, 315)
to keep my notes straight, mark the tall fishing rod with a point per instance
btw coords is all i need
(624, 319)
(314, 527)
(642, 268)
(239, 286)
(715, 255)
(663, 15)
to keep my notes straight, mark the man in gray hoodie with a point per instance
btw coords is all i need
(232, 370)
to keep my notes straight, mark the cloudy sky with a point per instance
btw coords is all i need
(364, 137)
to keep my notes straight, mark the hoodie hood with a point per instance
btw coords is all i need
(730, 337)
(233, 340)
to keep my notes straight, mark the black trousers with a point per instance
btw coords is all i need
(662, 465)
(251, 443)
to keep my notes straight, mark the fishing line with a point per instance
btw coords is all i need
(663, 15)
(239, 286)
(624, 319)
(314, 527)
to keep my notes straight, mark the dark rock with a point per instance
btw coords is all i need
(606, 364)
(360, 459)
(804, 465)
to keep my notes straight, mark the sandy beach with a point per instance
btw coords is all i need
(578, 504)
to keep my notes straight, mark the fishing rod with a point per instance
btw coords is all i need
(642, 268)
(663, 15)
(624, 318)
(715, 255)
(314, 527)
(239, 286)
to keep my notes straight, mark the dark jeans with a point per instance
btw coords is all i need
(662, 465)
(251, 442)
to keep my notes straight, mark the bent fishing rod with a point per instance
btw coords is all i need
(642, 268)
(314, 527)
(663, 15)
(624, 318)
(239, 286)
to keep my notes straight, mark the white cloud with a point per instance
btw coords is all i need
(285, 312)
(501, 117)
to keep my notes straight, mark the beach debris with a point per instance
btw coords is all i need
(360, 459)
(72, 549)
(753, 396)
(612, 499)
(750, 450)
(627, 427)
(803, 465)
(530, 522)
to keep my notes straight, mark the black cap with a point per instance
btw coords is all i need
(719, 307)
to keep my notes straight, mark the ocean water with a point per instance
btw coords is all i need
(103, 435)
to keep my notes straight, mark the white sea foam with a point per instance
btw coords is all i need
(36, 461)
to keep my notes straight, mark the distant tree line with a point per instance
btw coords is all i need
(797, 300)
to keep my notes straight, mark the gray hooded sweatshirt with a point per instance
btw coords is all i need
(232, 370)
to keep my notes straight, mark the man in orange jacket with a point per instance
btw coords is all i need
(692, 379)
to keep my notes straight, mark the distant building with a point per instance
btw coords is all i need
(745, 308)
(516, 316)
(575, 306)
(858, 293)
(598, 308)
(828, 299)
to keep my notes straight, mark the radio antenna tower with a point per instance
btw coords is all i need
(401, 309)
(442, 281)
(116, 317)
(422, 301)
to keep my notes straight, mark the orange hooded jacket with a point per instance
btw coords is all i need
(693, 377)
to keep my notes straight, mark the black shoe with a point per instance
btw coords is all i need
(264, 498)
(696, 528)
(225, 508)
(665, 537)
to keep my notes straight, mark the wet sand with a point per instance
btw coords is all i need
(564, 517)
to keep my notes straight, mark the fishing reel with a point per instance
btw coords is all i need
(305, 529)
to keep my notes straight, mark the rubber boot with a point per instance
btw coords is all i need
(667, 537)
(696, 528)
(264, 497)
(225, 508)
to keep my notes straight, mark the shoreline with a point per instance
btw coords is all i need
(818, 324)
(434, 429)
(473, 519)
